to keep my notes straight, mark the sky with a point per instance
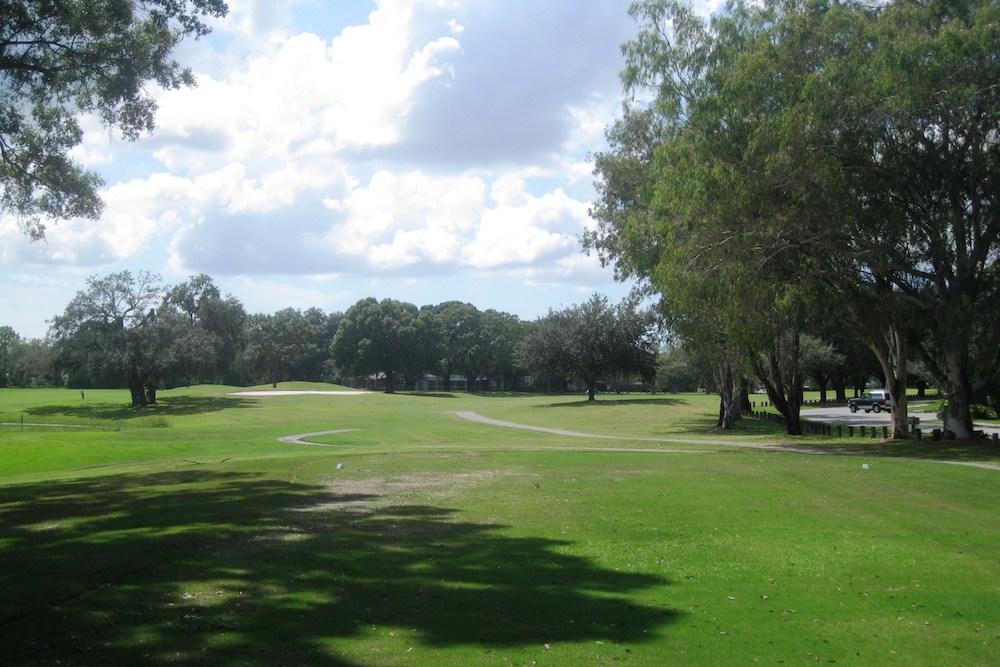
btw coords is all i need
(333, 150)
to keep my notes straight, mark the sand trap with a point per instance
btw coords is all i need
(282, 392)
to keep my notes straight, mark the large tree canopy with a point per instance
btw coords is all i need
(379, 337)
(801, 160)
(592, 342)
(127, 329)
(108, 330)
(60, 59)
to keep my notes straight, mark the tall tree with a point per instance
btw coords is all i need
(108, 327)
(61, 59)
(928, 162)
(10, 343)
(821, 149)
(379, 338)
(501, 336)
(456, 339)
(592, 341)
(218, 321)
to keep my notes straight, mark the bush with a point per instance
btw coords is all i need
(980, 411)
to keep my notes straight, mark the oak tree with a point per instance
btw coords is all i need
(62, 59)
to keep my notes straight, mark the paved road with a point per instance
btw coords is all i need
(843, 416)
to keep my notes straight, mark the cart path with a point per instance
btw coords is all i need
(803, 449)
(303, 439)
(476, 417)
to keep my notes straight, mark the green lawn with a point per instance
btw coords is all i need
(187, 534)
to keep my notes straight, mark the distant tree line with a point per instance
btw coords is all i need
(130, 330)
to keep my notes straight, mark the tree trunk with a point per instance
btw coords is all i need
(784, 389)
(137, 389)
(890, 350)
(958, 414)
(390, 382)
(729, 397)
(824, 382)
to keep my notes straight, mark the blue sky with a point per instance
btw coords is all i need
(424, 150)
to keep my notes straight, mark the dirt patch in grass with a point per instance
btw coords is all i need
(362, 495)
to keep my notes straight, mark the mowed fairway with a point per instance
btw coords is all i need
(189, 534)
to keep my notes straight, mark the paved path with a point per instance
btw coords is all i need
(303, 439)
(761, 445)
(472, 416)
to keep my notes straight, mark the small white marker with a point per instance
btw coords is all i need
(340, 466)
(864, 466)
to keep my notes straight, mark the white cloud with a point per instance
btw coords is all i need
(401, 218)
(540, 229)
(271, 295)
(429, 142)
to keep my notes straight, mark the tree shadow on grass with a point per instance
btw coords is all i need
(171, 406)
(226, 568)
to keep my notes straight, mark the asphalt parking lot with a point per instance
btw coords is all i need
(843, 416)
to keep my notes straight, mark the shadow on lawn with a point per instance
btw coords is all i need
(174, 405)
(215, 568)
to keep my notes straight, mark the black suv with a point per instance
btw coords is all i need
(875, 400)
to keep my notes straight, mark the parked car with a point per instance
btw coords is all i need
(875, 400)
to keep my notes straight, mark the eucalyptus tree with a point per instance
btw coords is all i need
(695, 213)
(829, 153)
(61, 60)
(927, 164)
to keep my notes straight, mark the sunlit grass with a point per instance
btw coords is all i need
(424, 538)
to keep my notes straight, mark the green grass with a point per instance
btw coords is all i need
(186, 534)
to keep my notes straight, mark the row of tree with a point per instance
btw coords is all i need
(131, 330)
(801, 167)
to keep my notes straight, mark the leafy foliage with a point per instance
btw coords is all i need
(61, 59)
(592, 341)
(379, 338)
(799, 158)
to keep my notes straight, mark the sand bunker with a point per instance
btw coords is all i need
(282, 392)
